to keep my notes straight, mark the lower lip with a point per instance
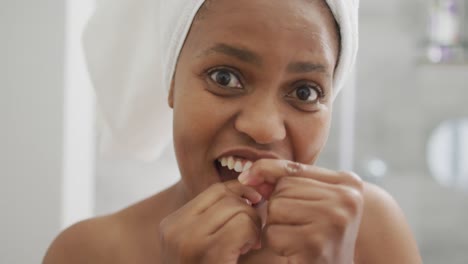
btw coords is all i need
(225, 174)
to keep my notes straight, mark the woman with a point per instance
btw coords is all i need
(252, 95)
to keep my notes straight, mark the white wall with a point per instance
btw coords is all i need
(79, 132)
(31, 81)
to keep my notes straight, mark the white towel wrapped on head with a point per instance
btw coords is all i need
(132, 47)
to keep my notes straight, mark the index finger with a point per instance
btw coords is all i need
(217, 191)
(269, 171)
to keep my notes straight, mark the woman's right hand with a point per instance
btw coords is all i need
(217, 226)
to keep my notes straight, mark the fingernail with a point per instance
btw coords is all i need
(246, 248)
(258, 245)
(258, 198)
(244, 177)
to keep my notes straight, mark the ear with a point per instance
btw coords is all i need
(170, 98)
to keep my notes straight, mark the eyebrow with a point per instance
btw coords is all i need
(305, 67)
(251, 57)
(236, 52)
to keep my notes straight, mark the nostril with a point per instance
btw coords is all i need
(262, 130)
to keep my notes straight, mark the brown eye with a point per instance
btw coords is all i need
(225, 78)
(306, 93)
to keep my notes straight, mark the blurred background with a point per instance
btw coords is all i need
(402, 123)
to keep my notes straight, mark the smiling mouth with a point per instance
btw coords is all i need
(230, 167)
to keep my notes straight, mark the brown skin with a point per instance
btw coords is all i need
(314, 215)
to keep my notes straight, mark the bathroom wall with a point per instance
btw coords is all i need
(31, 102)
(400, 101)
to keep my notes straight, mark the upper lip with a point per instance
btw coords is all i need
(249, 154)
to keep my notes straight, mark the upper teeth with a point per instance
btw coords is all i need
(236, 164)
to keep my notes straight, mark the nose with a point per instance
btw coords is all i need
(262, 121)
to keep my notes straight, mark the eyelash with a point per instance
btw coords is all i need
(231, 70)
(320, 92)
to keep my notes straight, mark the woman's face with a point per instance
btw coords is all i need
(254, 80)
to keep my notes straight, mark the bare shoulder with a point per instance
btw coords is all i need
(90, 241)
(128, 236)
(384, 235)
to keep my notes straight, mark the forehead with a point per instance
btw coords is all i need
(303, 26)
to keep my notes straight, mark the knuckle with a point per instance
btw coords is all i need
(238, 203)
(292, 168)
(167, 230)
(283, 184)
(272, 210)
(275, 210)
(243, 217)
(171, 238)
(354, 200)
(232, 201)
(353, 179)
(220, 188)
(250, 225)
(351, 199)
(277, 243)
(243, 212)
(242, 206)
(341, 219)
(317, 244)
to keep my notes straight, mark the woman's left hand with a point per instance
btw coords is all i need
(313, 214)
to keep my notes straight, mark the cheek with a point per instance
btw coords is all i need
(195, 128)
(308, 145)
(191, 125)
(196, 116)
